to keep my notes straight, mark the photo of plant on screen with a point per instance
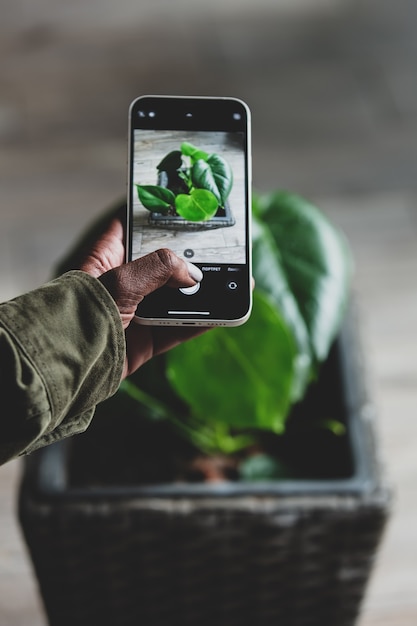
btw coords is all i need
(189, 192)
(192, 184)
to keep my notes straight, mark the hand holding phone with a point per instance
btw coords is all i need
(189, 190)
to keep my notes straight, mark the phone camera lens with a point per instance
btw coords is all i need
(151, 113)
(237, 116)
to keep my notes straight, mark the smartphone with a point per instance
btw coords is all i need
(189, 189)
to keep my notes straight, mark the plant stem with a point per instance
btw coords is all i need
(200, 436)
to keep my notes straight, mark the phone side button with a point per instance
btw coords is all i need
(190, 291)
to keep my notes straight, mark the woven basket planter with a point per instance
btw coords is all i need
(295, 552)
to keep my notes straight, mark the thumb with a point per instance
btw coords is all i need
(107, 252)
(128, 284)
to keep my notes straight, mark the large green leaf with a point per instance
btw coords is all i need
(215, 175)
(198, 206)
(270, 278)
(156, 198)
(239, 376)
(315, 260)
(240, 379)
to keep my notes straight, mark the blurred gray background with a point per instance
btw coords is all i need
(333, 92)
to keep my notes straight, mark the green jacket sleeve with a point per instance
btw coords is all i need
(62, 351)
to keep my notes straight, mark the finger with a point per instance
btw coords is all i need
(106, 252)
(145, 342)
(131, 282)
(166, 338)
(163, 267)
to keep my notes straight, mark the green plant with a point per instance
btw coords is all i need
(197, 185)
(225, 387)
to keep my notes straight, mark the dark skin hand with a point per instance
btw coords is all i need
(129, 283)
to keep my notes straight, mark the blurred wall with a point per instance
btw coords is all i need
(317, 75)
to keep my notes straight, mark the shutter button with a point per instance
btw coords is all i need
(190, 291)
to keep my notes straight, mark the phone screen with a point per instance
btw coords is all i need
(189, 190)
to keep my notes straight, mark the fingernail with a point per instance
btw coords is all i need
(195, 272)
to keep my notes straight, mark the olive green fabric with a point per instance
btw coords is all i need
(62, 351)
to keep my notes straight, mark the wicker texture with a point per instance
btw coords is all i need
(124, 565)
